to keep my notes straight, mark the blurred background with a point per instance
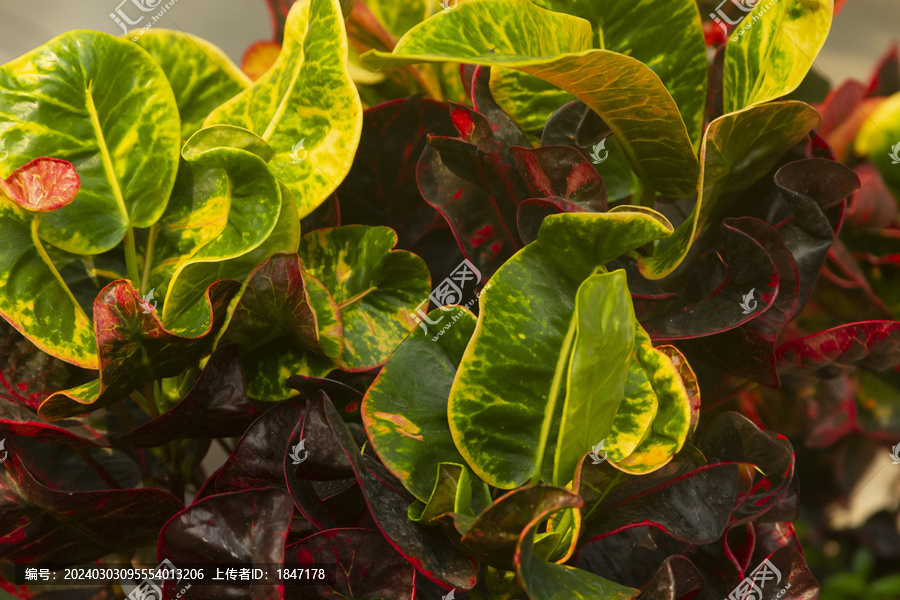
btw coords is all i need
(861, 32)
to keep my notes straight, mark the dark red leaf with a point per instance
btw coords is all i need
(425, 547)
(870, 345)
(247, 527)
(368, 567)
(41, 525)
(215, 406)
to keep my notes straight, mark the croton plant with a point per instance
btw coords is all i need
(673, 294)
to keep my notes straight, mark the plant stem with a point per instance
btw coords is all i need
(648, 196)
(36, 240)
(148, 256)
(149, 404)
(555, 390)
(131, 259)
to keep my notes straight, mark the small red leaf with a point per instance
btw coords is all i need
(43, 185)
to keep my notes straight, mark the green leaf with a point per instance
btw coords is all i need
(546, 581)
(643, 30)
(196, 214)
(201, 75)
(555, 47)
(33, 296)
(772, 50)
(400, 17)
(525, 316)
(601, 352)
(738, 149)
(227, 136)
(305, 107)
(454, 492)
(492, 536)
(376, 288)
(673, 416)
(275, 323)
(254, 206)
(405, 408)
(104, 105)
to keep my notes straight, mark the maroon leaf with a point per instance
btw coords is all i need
(870, 345)
(76, 459)
(258, 458)
(676, 579)
(714, 288)
(425, 547)
(276, 324)
(28, 375)
(696, 502)
(215, 406)
(346, 399)
(559, 179)
(134, 347)
(368, 567)
(381, 187)
(474, 183)
(42, 185)
(771, 453)
(505, 128)
(814, 191)
(41, 525)
(247, 527)
(749, 350)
